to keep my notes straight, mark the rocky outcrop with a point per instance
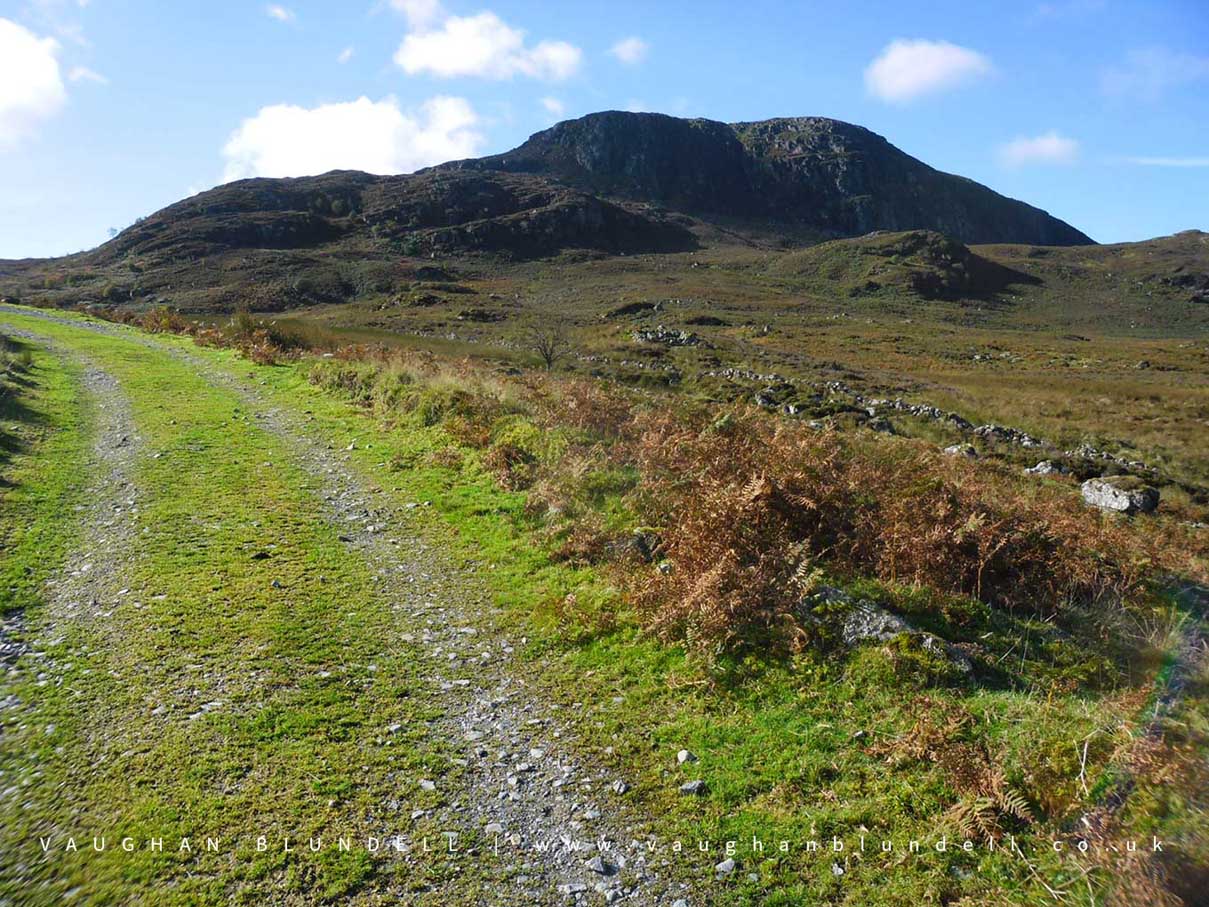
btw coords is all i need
(920, 410)
(418, 214)
(666, 337)
(837, 178)
(918, 263)
(1124, 494)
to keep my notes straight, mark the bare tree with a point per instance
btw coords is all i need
(550, 341)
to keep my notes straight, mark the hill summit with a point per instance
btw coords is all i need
(834, 177)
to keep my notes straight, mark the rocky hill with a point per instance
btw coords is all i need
(922, 263)
(434, 212)
(837, 178)
(818, 207)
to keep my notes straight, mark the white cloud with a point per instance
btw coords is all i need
(554, 106)
(84, 74)
(905, 70)
(1149, 72)
(375, 136)
(484, 45)
(420, 14)
(630, 50)
(345, 55)
(1050, 148)
(31, 86)
(1169, 161)
(278, 12)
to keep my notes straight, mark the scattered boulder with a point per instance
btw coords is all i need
(421, 300)
(962, 450)
(685, 756)
(1006, 435)
(432, 272)
(864, 621)
(599, 866)
(694, 788)
(640, 545)
(666, 337)
(920, 410)
(1123, 494)
(1047, 468)
(774, 396)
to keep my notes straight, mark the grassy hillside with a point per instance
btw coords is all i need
(536, 486)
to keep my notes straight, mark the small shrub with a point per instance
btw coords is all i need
(512, 465)
(162, 320)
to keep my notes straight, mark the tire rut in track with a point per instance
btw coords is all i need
(89, 584)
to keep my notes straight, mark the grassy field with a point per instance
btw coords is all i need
(808, 746)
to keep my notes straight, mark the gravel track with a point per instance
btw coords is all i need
(89, 583)
(85, 585)
(544, 811)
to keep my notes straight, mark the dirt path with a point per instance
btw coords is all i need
(93, 570)
(89, 583)
(561, 828)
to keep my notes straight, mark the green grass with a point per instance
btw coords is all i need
(42, 424)
(806, 712)
(290, 751)
(776, 740)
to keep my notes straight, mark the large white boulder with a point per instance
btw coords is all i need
(1124, 494)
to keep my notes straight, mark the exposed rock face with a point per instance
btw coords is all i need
(839, 178)
(1124, 494)
(1196, 283)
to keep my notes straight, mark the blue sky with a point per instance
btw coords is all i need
(1096, 110)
